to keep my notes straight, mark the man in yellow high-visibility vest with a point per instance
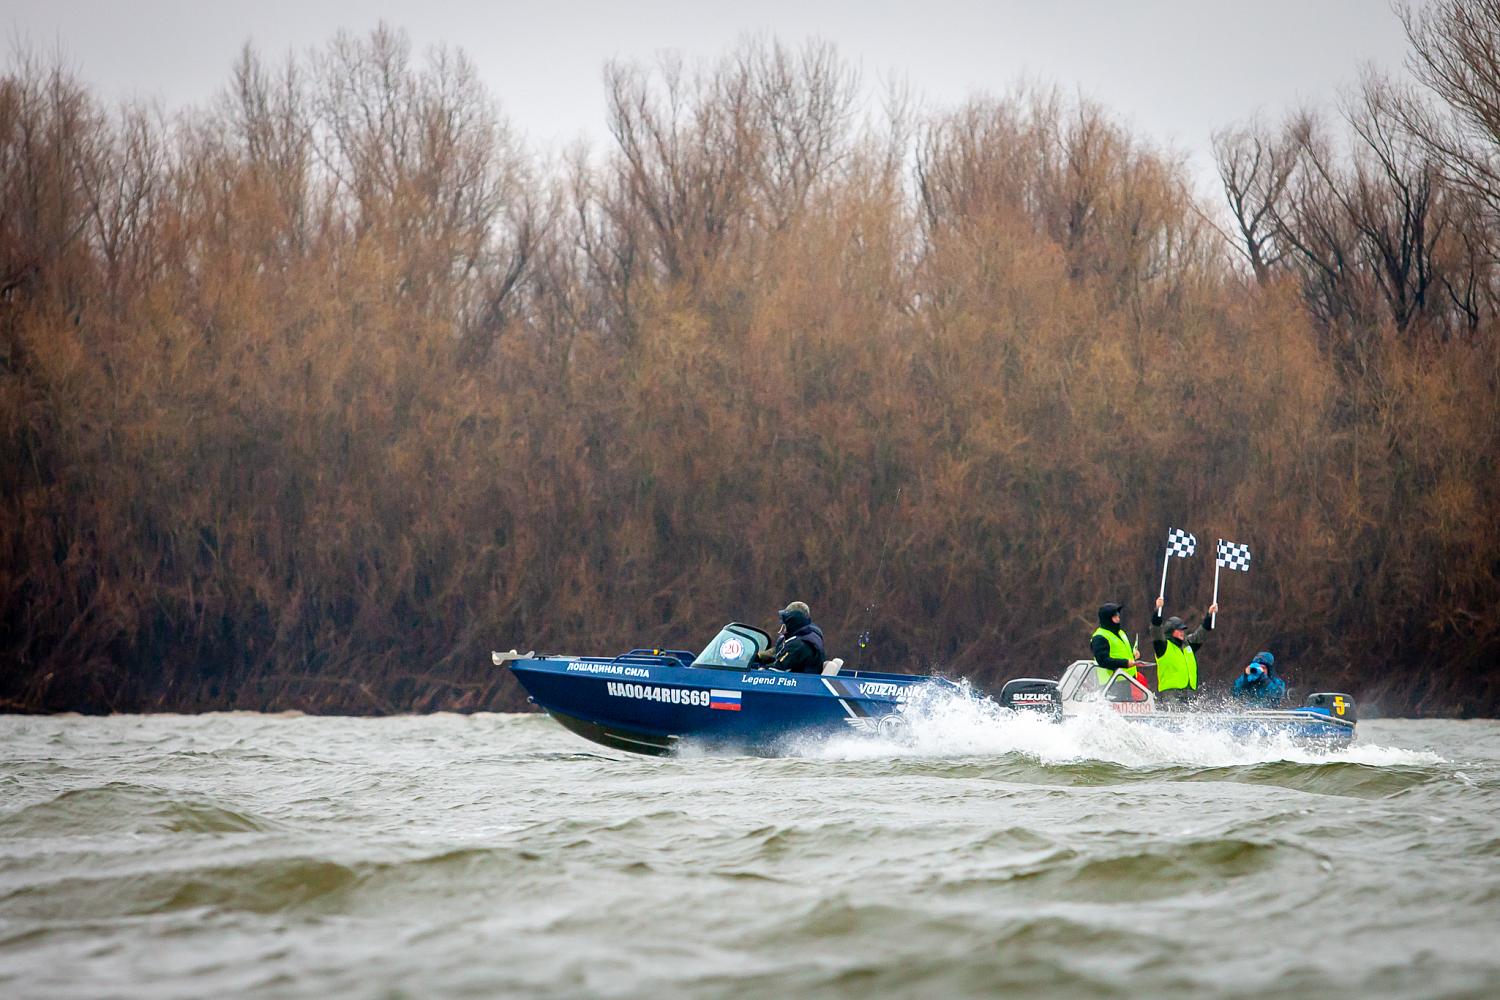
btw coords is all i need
(1112, 651)
(1177, 656)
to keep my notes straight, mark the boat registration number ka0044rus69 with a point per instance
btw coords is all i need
(666, 695)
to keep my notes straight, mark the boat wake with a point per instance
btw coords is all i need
(963, 723)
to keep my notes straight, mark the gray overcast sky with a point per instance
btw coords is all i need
(1173, 69)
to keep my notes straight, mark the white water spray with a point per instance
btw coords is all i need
(940, 722)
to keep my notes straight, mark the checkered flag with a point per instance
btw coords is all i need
(1181, 543)
(1232, 556)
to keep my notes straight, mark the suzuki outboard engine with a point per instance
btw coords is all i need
(1340, 706)
(1033, 694)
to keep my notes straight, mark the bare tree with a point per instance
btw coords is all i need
(1360, 228)
(1255, 168)
(1068, 173)
(1391, 200)
(423, 159)
(804, 104)
(268, 116)
(1456, 55)
(686, 158)
(124, 184)
(49, 131)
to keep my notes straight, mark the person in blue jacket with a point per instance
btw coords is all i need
(1258, 683)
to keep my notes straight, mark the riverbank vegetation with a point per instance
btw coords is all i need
(310, 398)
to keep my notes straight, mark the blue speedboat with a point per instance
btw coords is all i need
(652, 700)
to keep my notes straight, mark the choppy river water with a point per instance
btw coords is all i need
(491, 855)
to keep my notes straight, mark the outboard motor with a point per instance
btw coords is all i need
(1340, 706)
(1033, 694)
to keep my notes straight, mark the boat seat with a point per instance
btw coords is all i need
(833, 666)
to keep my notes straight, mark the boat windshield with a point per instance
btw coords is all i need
(1080, 683)
(733, 648)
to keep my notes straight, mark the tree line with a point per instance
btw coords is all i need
(312, 396)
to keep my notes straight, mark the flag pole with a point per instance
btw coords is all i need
(1164, 560)
(1213, 619)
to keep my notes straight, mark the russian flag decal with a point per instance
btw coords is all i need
(725, 701)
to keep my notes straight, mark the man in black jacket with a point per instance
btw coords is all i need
(799, 646)
(1113, 651)
(1176, 652)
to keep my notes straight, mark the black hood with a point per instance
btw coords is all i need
(795, 621)
(1107, 612)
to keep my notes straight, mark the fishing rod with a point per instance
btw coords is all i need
(864, 634)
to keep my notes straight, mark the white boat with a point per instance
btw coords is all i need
(1326, 718)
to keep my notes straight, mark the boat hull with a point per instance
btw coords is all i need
(1301, 725)
(655, 707)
